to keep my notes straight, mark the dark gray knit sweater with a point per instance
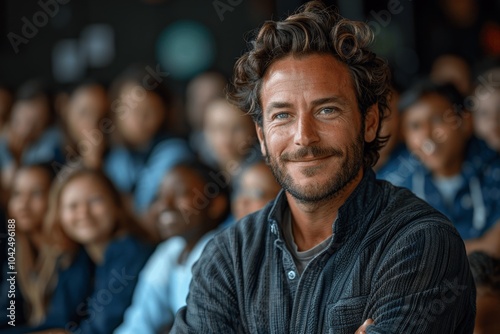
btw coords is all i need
(392, 258)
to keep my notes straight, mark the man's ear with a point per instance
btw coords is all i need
(372, 123)
(260, 135)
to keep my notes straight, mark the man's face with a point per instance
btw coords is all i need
(312, 131)
(436, 134)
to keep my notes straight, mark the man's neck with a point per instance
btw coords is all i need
(312, 222)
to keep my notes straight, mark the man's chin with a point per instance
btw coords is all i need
(310, 193)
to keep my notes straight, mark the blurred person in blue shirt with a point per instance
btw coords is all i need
(192, 202)
(86, 126)
(30, 137)
(455, 172)
(142, 150)
(97, 251)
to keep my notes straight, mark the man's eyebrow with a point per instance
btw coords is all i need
(277, 105)
(331, 99)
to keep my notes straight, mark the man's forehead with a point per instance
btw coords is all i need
(322, 72)
(321, 67)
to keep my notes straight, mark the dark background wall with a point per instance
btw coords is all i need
(410, 34)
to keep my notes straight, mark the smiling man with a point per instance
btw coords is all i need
(337, 251)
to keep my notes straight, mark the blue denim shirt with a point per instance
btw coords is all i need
(393, 258)
(475, 208)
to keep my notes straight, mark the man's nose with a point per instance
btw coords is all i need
(306, 132)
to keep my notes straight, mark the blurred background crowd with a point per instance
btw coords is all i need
(120, 157)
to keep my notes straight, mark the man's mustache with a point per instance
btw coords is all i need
(311, 152)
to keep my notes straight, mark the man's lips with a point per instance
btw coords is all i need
(309, 159)
(309, 162)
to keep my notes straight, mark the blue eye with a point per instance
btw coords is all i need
(281, 115)
(327, 111)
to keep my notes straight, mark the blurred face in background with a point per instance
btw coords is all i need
(230, 132)
(88, 213)
(86, 107)
(487, 119)
(452, 69)
(29, 198)
(257, 187)
(200, 91)
(30, 118)
(436, 134)
(142, 114)
(181, 208)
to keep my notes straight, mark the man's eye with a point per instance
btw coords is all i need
(281, 115)
(327, 111)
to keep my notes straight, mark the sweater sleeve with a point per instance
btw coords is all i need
(424, 285)
(212, 305)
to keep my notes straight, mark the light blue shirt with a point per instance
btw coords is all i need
(43, 150)
(162, 288)
(140, 173)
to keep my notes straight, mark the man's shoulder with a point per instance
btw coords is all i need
(403, 210)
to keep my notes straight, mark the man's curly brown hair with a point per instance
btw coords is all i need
(314, 28)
